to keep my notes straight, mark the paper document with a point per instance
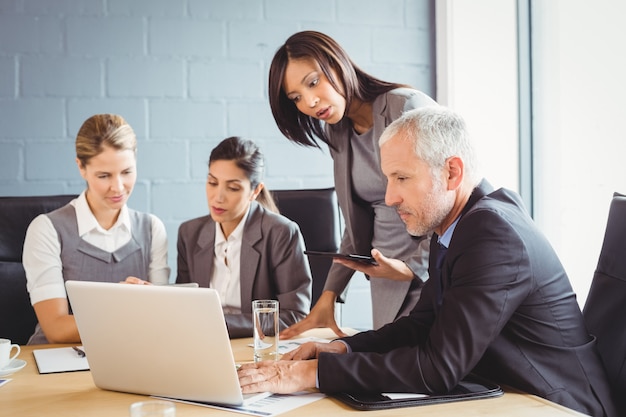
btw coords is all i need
(403, 395)
(288, 345)
(270, 406)
(65, 359)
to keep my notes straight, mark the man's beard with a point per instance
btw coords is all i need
(434, 208)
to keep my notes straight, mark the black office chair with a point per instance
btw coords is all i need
(605, 308)
(18, 318)
(317, 213)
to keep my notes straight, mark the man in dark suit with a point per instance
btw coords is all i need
(498, 302)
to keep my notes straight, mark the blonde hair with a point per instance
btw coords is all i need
(102, 130)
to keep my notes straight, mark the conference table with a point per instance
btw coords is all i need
(69, 394)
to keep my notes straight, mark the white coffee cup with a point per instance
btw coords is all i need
(5, 352)
(265, 322)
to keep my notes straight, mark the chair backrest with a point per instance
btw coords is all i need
(18, 317)
(316, 211)
(605, 308)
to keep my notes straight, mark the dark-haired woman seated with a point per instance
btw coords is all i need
(244, 249)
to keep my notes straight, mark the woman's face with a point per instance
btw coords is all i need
(110, 177)
(307, 86)
(229, 193)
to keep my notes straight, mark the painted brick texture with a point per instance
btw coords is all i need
(185, 74)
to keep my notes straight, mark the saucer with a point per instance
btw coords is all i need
(13, 366)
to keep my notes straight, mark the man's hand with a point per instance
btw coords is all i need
(322, 315)
(389, 268)
(282, 377)
(292, 373)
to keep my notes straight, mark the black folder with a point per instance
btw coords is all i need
(471, 388)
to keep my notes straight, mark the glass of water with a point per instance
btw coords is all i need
(265, 318)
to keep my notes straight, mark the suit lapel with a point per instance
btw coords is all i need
(250, 257)
(380, 123)
(203, 254)
(437, 269)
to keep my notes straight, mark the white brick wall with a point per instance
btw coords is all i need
(185, 74)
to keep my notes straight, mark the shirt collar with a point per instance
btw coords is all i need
(446, 237)
(236, 235)
(87, 221)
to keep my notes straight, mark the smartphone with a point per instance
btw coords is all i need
(351, 257)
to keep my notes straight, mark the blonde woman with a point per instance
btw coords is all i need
(95, 237)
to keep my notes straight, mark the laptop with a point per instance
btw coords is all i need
(166, 341)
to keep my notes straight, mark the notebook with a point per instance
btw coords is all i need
(167, 341)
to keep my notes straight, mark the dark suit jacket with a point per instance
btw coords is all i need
(508, 313)
(273, 265)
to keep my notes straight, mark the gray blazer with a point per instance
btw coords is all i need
(273, 265)
(390, 299)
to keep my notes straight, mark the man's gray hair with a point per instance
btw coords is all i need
(437, 133)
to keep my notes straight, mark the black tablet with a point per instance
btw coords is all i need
(470, 388)
(358, 258)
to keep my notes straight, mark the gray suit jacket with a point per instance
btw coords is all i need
(273, 265)
(508, 313)
(388, 297)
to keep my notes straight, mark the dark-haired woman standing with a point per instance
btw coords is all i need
(318, 94)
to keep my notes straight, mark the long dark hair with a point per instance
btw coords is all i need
(247, 156)
(353, 81)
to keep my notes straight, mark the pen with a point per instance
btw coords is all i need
(79, 351)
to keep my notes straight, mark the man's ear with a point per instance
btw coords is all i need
(456, 172)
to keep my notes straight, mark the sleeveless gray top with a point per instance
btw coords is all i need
(83, 261)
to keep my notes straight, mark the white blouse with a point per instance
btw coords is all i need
(226, 278)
